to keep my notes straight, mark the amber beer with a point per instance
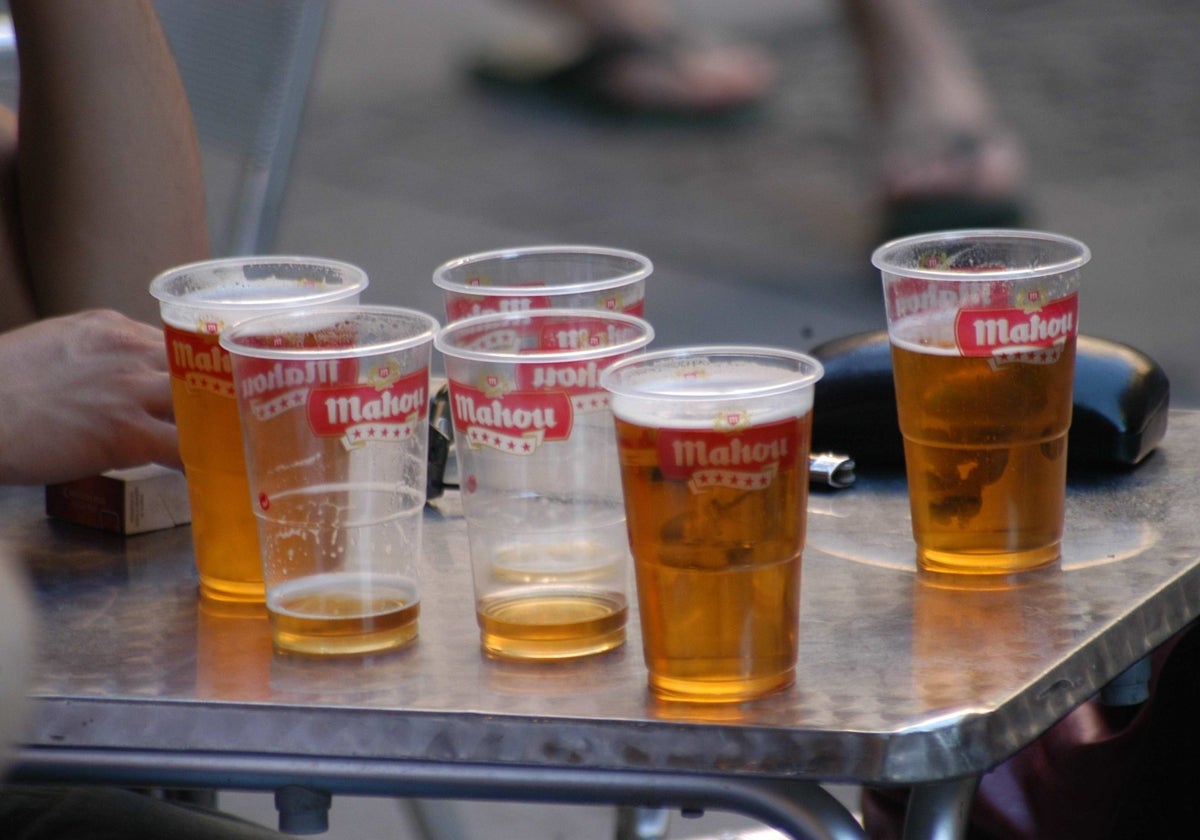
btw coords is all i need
(985, 444)
(344, 614)
(569, 622)
(715, 499)
(224, 532)
(717, 558)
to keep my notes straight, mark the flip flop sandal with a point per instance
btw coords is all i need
(913, 214)
(579, 81)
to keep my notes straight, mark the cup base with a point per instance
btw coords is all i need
(232, 591)
(523, 649)
(991, 563)
(552, 625)
(719, 691)
(340, 614)
(339, 645)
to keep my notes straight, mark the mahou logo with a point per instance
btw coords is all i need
(197, 359)
(737, 456)
(388, 408)
(493, 413)
(1033, 331)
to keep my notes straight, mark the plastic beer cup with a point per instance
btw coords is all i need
(544, 277)
(334, 407)
(983, 326)
(197, 302)
(539, 479)
(714, 445)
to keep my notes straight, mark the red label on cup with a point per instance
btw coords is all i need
(733, 455)
(197, 359)
(498, 416)
(1034, 324)
(388, 408)
(908, 296)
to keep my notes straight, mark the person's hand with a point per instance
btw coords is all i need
(82, 394)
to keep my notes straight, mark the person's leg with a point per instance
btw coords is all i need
(940, 134)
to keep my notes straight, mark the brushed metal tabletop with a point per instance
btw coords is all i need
(898, 682)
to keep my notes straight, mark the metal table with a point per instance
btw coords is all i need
(899, 683)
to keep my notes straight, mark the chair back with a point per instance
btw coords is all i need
(246, 65)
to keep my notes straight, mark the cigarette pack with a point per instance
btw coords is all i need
(129, 501)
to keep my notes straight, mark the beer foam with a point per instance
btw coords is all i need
(239, 300)
(931, 334)
(671, 398)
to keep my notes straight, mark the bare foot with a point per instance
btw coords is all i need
(650, 60)
(982, 164)
(679, 75)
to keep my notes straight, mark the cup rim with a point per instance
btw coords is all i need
(883, 256)
(643, 268)
(804, 378)
(541, 356)
(229, 337)
(356, 281)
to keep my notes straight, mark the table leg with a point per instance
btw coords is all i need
(940, 810)
(637, 822)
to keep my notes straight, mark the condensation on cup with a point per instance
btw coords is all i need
(198, 302)
(714, 445)
(544, 277)
(983, 326)
(539, 477)
(334, 408)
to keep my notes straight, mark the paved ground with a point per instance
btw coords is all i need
(759, 232)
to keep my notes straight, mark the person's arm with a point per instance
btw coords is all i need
(82, 394)
(109, 188)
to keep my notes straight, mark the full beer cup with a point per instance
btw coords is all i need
(544, 277)
(983, 326)
(539, 478)
(198, 302)
(713, 445)
(334, 407)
